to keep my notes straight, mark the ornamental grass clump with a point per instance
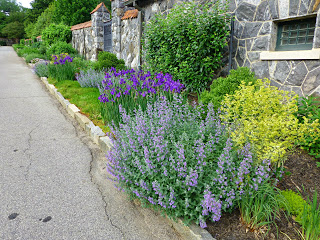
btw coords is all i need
(90, 78)
(132, 89)
(171, 158)
(61, 67)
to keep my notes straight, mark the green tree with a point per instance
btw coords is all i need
(14, 30)
(72, 12)
(9, 6)
(37, 8)
(56, 33)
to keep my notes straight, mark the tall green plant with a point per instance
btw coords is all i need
(188, 42)
(56, 33)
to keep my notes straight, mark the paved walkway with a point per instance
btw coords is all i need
(52, 179)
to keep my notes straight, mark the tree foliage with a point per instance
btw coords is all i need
(188, 42)
(56, 33)
(72, 12)
(37, 8)
(10, 6)
(13, 30)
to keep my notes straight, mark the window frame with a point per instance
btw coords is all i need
(294, 47)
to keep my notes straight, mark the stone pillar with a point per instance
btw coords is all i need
(98, 17)
(117, 13)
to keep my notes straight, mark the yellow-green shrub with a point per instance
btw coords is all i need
(264, 116)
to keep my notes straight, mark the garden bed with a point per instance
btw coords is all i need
(301, 175)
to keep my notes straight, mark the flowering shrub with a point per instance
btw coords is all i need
(61, 68)
(131, 89)
(90, 78)
(172, 159)
(41, 69)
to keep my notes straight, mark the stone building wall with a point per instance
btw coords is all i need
(82, 41)
(87, 38)
(130, 44)
(256, 32)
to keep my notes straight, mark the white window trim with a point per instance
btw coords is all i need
(313, 54)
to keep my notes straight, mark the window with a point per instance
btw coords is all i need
(107, 36)
(296, 35)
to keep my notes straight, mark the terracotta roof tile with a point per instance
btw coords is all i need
(97, 7)
(39, 37)
(82, 25)
(130, 14)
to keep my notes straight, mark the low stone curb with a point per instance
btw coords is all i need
(191, 232)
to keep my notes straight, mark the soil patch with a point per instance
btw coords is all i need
(301, 175)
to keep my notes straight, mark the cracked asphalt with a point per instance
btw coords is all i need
(53, 182)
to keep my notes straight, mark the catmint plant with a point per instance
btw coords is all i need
(132, 89)
(90, 78)
(173, 159)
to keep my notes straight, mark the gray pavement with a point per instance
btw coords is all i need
(53, 182)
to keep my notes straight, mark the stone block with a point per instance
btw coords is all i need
(303, 10)
(241, 56)
(251, 29)
(297, 75)
(261, 69)
(60, 97)
(316, 39)
(263, 13)
(51, 88)
(65, 104)
(88, 127)
(96, 133)
(72, 109)
(273, 6)
(261, 43)
(238, 29)
(281, 72)
(311, 65)
(298, 91)
(266, 29)
(105, 144)
(283, 8)
(312, 82)
(254, 56)
(293, 7)
(82, 119)
(245, 12)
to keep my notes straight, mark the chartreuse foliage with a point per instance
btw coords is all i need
(309, 110)
(222, 86)
(187, 42)
(107, 60)
(265, 116)
(56, 33)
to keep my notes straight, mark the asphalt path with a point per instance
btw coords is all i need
(53, 183)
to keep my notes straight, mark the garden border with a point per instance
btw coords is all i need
(191, 232)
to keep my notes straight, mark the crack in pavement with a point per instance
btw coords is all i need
(26, 175)
(75, 126)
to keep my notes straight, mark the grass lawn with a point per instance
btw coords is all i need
(86, 99)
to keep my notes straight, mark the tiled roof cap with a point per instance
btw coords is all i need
(39, 37)
(98, 6)
(81, 25)
(130, 14)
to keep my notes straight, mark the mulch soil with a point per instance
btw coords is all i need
(302, 175)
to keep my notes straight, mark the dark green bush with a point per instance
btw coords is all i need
(22, 41)
(60, 47)
(3, 43)
(106, 60)
(56, 33)
(188, 43)
(222, 86)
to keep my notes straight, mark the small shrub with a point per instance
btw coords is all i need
(62, 68)
(170, 158)
(264, 116)
(3, 43)
(22, 41)
(309, 111)
(41, 69)
(32, 56)
(131, 90)
(60, 47)
(82, 64)
(107, 60)
(295, 203)
(23, 52)
(90, 78)
(223, 86)
(188, 42)
(56, 33)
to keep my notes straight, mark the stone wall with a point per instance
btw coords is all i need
(130, 44)
(87, 38)
(256, 31)
(82, 41)
(9, 42)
